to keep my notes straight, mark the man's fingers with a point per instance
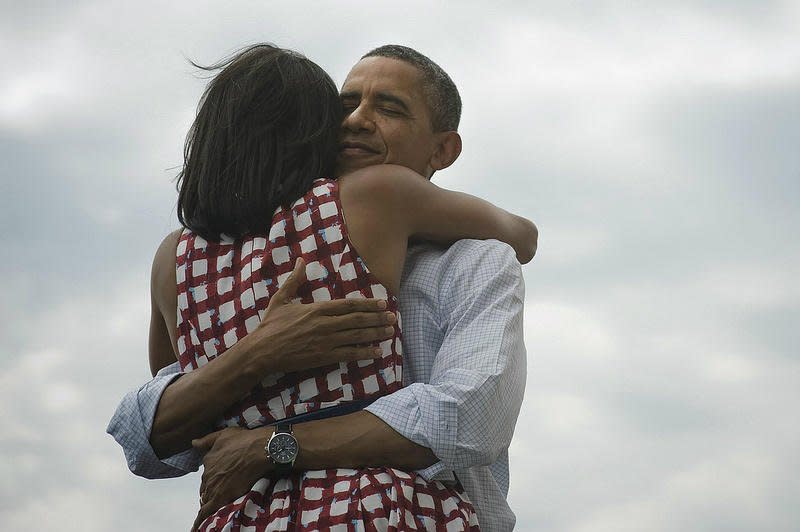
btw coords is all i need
(198, 520)
(358, 320)
(351, 352)
(208, 507)
(201, 516)
(361, 336)
(206, 442)
(204, 489)
(337, 307)
(288, 289)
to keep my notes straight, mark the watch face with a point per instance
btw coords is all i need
(283, 448)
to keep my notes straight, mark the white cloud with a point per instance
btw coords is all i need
(555, 327)
(24, 100)
(56, 403)
(753, 286)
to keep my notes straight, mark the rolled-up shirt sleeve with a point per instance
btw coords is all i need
(467, 411)
(131, 425)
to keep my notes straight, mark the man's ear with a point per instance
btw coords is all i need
(447, 150)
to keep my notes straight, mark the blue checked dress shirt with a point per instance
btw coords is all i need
(464, 371)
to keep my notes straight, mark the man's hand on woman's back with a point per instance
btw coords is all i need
(290, 337)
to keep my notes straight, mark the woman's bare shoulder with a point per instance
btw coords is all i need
(166, 250)
(163, 272)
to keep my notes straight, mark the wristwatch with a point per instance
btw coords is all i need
(282, 448)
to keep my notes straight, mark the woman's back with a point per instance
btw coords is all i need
(224, 288)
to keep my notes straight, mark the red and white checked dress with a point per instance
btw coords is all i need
(223, 291)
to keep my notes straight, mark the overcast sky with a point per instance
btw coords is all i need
(655, 144)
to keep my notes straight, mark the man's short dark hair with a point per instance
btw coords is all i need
(443, 98)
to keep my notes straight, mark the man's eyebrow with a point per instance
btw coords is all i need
(390, 98)
(382, 97)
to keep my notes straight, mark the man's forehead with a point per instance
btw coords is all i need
(383, 74)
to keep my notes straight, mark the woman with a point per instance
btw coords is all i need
(253, 202)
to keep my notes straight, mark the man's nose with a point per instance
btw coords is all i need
(359, 119)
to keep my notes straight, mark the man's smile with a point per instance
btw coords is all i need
(351, 148)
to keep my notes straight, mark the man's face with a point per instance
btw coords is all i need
(387, 119)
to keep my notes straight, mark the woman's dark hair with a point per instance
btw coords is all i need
(266, 127)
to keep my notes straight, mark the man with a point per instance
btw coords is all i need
(464, 361)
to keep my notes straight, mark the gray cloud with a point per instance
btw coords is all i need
(653, 145)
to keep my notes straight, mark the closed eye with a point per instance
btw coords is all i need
(350, 105)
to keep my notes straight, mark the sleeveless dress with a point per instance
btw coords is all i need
(223, 291)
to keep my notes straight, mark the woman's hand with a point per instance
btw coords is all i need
(234, 460)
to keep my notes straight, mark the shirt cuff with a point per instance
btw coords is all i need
(437, 471)
(131, 425)
(401, 411)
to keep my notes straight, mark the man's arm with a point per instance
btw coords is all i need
(465, 416)
(234, 458)
(289, 337)
(130, 426)
(467, 412)
(162, 417)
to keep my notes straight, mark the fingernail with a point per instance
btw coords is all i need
(390, 317)
(378, 351)
(389, 330)
(382, 304)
